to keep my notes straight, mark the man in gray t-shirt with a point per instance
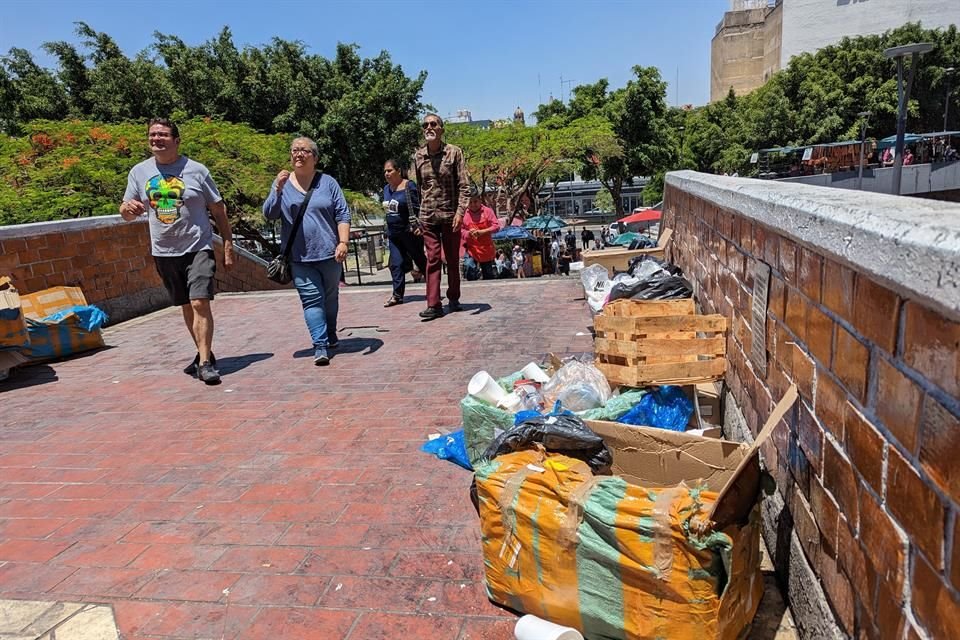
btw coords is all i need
(176, 193)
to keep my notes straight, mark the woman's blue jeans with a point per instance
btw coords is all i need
(318, 284)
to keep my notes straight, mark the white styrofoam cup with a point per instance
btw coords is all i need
(533, 372)
(534, 628)
(483, 387)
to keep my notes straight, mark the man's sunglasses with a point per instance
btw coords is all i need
(431, 125)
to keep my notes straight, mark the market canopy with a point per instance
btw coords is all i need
(544, 223)
(891, 141)
(650, 215)
(512, 233)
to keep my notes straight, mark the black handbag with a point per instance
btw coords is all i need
(278, 269)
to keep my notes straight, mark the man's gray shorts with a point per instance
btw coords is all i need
(188, 277)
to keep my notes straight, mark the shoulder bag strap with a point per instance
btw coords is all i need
(413, 203)
(303, 209)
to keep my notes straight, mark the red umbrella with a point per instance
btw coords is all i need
(650, 215)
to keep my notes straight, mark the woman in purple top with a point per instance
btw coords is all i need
(320, 245)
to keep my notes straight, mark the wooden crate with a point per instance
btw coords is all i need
(619, 259)
(642, 342)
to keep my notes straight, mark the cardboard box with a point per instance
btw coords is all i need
(13, 325)
(636, 555)
(50, 340)
(619, 259)
(709, 398)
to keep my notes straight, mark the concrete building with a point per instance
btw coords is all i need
(737, 52)
(757, 38)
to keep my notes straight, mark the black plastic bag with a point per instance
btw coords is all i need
(651, 279)
(641, 242)
(565, 434)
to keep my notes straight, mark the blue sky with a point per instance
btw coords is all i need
(499, 54)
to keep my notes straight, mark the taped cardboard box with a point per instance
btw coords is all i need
(13, 326)
(668, 547)
(63, 337)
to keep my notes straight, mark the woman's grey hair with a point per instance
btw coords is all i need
(310, 143)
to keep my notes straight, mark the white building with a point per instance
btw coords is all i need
(757, 38)
(808, 25)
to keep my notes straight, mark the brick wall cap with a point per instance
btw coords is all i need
(911, 245)
(34, 229)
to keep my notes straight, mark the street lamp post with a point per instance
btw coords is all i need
(863, 115)
(946, 99)
(903, 96)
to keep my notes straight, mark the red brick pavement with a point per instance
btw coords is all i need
(291, 501)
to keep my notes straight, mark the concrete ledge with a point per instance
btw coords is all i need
(911, 245)
(34, 229)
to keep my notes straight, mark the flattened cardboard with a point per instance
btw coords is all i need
(651, 457)
(740, 493)
(41, 304)
(10, 358)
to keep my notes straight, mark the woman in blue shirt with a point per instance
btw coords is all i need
(319, 247)
(400, 199)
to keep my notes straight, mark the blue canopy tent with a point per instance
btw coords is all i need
(544, 223)
(512, 233)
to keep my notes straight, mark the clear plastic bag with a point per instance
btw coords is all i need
(596, 285)
(616, 406)
(578, 387)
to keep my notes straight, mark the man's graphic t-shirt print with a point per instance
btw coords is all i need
(166, 197)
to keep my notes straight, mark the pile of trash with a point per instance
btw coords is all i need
(646, 278)
(594, 501)
(46, 325)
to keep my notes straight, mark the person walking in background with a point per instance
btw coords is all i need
(400, 200)
(519, 260)
(503, 269)
(440, 172)
(479, 224)
(175, 193)
(320, 245)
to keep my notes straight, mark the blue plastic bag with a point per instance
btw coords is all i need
(449, 447)
(522, 416)
(89, 317)
(666, 408)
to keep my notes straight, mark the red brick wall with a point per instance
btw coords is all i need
(868, 463)
(109, 259)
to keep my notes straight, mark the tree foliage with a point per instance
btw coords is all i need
(78, 168)
(358, 110)
(518, 160)
(817, 97)
(637, 115)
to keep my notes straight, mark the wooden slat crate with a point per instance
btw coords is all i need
(642, 342)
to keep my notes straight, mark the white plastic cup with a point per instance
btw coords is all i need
(533, 372)
(534, 628)
(483, 387)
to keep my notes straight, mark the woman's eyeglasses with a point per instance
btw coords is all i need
(301, 152)
(431, 125)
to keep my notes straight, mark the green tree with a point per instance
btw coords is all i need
(518, 160)
(78, 168)
(603, 201)
(359, 110)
